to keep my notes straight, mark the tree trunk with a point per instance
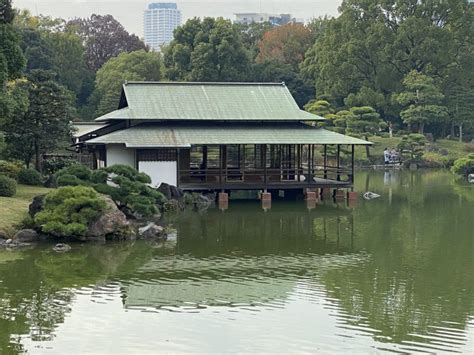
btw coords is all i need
(443, 131)
(390, 130)
(421, 128)
(367, 148)
(453, 134)
(37, 157)
(460, 133)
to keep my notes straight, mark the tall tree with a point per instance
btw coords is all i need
(422, 101)
(45, 122)
(461, 107)
(273, 71)
(252, 34)
(364, 121)
(285, 44)
(7, 13)
(139, 65)
(375, 44)
(104, 38)
(207, 50)
(11, 57)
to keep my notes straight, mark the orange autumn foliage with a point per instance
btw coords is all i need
(285, 44)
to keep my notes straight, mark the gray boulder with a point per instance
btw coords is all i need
(62, 248)
(111, 222)
(152, 231)
(26, 236)
(171, 192)
(36, 205)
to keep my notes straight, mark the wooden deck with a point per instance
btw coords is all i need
(280, 185)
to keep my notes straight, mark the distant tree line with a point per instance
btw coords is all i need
(380, 66)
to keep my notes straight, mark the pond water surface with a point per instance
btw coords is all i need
(393, 274)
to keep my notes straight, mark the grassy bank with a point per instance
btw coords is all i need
(441, 153)
(14, 209)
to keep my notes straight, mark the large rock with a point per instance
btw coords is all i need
(171, 192)
(110, 222)
(36, 205)
(26, 236)
(152, 231)
(62, 248)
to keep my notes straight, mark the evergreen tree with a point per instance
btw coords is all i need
(43, 120)
(207, 50)
(422, 101)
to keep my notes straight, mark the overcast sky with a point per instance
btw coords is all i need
(130, 12)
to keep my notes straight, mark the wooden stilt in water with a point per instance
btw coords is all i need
(223, 201)
(326, 193)
(266, 198)
(339, 195)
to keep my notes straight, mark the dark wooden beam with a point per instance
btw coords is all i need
(325, 161)
(265, 163)
(338, 162)
(353, 163)
(220, 164)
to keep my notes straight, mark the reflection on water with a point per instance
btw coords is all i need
(395, 273)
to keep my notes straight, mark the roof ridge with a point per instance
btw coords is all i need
(222, 83)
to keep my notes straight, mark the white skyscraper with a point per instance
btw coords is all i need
(159, 21)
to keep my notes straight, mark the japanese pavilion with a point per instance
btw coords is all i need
(219, 137)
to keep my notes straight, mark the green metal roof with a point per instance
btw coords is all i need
(208, 101)
(187, 134)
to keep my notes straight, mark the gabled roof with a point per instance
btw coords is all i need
(84, 128)
(184, 134)
(207, 101)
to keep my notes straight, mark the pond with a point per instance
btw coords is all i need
(391, 274)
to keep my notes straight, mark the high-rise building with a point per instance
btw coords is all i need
(260, 17)
(159, 21)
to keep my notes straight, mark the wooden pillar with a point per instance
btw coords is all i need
(298, 164)
(178, 168)
(352, 164)
(204, 157)
(308, 180)
(224, 161)
(220, 164)
(243, 162)
(280, 153)
(325, 161)
(338, 163)
(203, 167)
(264, 148)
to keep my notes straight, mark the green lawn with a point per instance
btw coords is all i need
(437, 155)
(14, 209)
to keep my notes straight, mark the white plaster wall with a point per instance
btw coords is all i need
(119, 154)
(160, 171)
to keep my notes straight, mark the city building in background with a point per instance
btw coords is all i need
(159, 21)
(260, 17)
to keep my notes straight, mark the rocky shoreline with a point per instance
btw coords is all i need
(113, 224)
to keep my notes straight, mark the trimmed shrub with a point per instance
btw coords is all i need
(30, 177)
(80, 171)
(125, 185)
(68, 211)
(10, 169)
(7, 186)
(69, 180)
(54, 164)
(464, 166)
(412, 147)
